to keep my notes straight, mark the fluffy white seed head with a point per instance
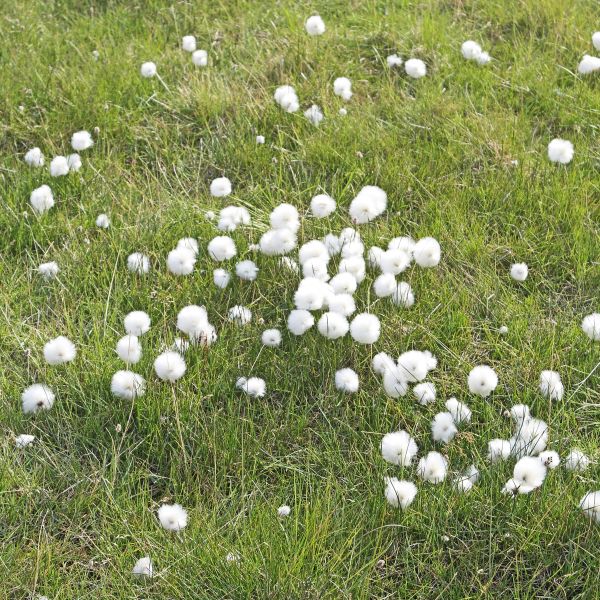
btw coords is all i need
(498, 450)
(394, 261)
(346, 380)
(188, 43)
(143, 567)
(433, 467)
(271, 338)
(354, 265)
(596, 40)
(81, 140)
(403, 295)
(394, 382)
(34, 157)
(344, 283)
(342, 303)
(129, 349)
(314, 25)
(23, 440)
(37, 397)
(342, 87)
(314, 114)
(221, 248)
(284, 511)
(425, 393)
(220, 187)
(519, 271)
(482, 380)
(300, 321)
(393, 61)
(576, 460)
(137, 322)
(102, 221)
(590, 505)
(189, 243)
(470, 50)
(560, 151)
(460, 412)
(530, 471)
(285, 216)
(415, 365)
(59, 166)
(60, 350)
(240, 315)
(591, 326)
(381, 362)
(246, 270)
(365, 328)
(427, 252)
(384, 285)
(255, 387)
(399, 448)
(551, 385)
(443, 428)
(332, 325)
(169, 366)
(588, 64)
(221, 278)
(276, 242)
(148, 69)
(368, 204)
(127, 385)
(173, 517)
(200, 58)
(41, 199)
(138, 263)
(550, 459)
(399, 494)
(48, 270)
(322, 206)
(415, 68)
(181, 261)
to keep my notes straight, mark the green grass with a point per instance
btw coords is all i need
(78, 507)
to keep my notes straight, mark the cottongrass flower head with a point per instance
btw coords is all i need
(384, 285)
(520, 413)
(344, 283)
(221, 278)
(231, 217)
(433, 467)
(560, 151)
(482, 380)
(394, 382)
(470, 50)
(102, 221)
(173, 517)
(427, 252)
(530, 438)
(59, 166)
(314, 25)
(138, 263)
(443, 428)
(246, 270)
(170, 366)
(137, 322)
(591, 326)
(342, 87)
(399, 494)
(365, 328)
(313, 249)
(393, 61)
(368, 204)
(322, 206)
(498, 450)
(37, 397)
(143, 567)
(381, 362)
(415, 365)
(74, 162)
(221, 248)
(346, 380)
(399, 448)
(255, 387)
(596, 40)
(34, 157)
(189, 243)
(240, 315)
(193, 321)
(403, 295)
(300, 321)
(41, 199)
(314, 114)
(590, 505)
(519, 271)
(549, 459)
(588, 64)
(333, 325)
(551, 385)
(286, 97)
(81, 140)
(129, 349)
(415, 68)
(283, 511)
(59, 350)
(424, 393)
(127, 385)
(460, 412)
(394, 261)
(576, 461)
(23, 440)
(200, 58)
(260, 139)
(148, 69)
(48, 270)
(181, 261)
(271, 338)
(220, 187)
(188, 43)
(530, 473)
(276, 242)
(342, 303)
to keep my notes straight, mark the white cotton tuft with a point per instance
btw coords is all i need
(34, 157)
(188, 43)
(591, 326)
(346, 380)
(143, 567)
(41, 199)
(246, 270)
(443, 428)
(399, 494)
(313, 249)
(240, 315)
(300, 321)
(314, 25)
(60, 350)
(220, 187)
(189, 243)
(231, 217)
(137, 322)
(596, 40)
(394, 261)
(415, 68)
(519, 271)
(283, 511)
(332, 325)
(285, 216)
(316, 268)
(399, 448)
(549, 458)
(368, 204)
(393, 60)
(384, 285)
(381, 362)
(59, 166)
(314, 114)
(590, 505)
(221, 248)
(129, 349)
(127, 385)
(355, 265)
(531, 472)
(577, 461)
(172, 517)
(342, 303)
(588, 64)
(425, 393)
(23, 440)
(365, 328)
(102, 221)
(169, 366)
(81, 140)
(37, 397)
(551, 385)
(138, 263)
(148, 69)
(277, 241)
(322, 206)
(433, 467)
(255, 387)
(394, 382)
(221, 278)
(403, 295)
(342, 87)
(460, 412)
(48, 270)
(344, 283)
(427, 252)
(483, 59)
(415, 365)
(260, 139)
(470, 50)
(271, 338)
(482, 380)
(200, 58)
(560, 151)
(181, 261)
(498, 450)
(520, 413)
(193, 321)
